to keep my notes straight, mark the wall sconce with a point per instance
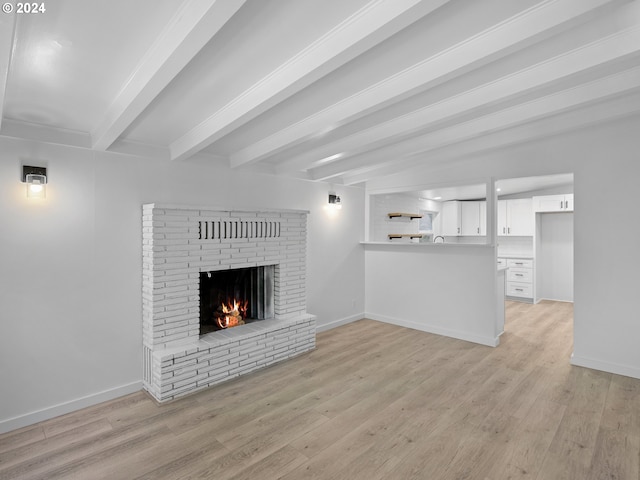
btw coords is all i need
(36, 179)
(334, 202)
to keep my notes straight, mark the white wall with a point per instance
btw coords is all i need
(70, 273)
(515, 246)
(606, 169)
(554, 256)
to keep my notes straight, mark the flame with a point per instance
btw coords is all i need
(233, 314)
(230, 308)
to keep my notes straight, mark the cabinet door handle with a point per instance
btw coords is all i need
(519, 275)
(561, 204)
(504, 230)
(519, 290)
(566, 204)
(478, 229)
(519, 263)
(458, 229)
(509, 230)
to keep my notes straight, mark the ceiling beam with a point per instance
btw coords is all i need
(375, 22)
(590, 116)
(614, 47)
(539, 108)
(195, 23)
(45, 133)
(7, 29)
(518, 31)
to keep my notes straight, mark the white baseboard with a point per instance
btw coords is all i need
(336, 323)
(67, 407)
(554, 300)
(425, 327)
(609, 367)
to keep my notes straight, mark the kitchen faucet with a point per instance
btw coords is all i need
(436, 238)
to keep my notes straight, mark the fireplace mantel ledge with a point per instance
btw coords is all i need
(173, 206)
(223, 337)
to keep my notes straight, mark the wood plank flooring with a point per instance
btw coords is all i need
(373, 401)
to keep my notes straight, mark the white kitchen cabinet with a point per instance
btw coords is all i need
(519, 281)
(451, 219)
(474, 218)
(568, 202)
(553, 203)
(519, 263)
(515, 217)
(519, 290)
(502, 217)
(520, 275)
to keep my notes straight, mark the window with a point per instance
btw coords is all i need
(426, 222)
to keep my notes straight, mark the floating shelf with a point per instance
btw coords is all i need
(407, 215)
(404, 235)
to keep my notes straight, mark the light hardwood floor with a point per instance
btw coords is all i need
(373, 401)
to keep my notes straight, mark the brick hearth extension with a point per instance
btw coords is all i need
(180, 242)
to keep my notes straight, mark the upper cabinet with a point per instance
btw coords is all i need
(553, 203)
(451, 214)
(474, 218)
(464, 218)
(515, 217)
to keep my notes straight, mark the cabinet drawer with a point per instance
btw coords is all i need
(522, 275)
(518, 263)
(502, 262)
(516, 289)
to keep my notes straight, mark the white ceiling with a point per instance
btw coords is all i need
(336, 90)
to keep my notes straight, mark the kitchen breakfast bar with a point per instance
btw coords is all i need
(449, 289)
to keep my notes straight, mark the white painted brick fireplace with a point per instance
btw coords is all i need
(181, 242)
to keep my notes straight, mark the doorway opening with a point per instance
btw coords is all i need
(535, 242)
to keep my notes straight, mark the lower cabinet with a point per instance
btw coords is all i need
(519, 278)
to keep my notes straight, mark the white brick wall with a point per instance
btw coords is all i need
(178, 244)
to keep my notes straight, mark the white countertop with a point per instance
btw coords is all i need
(516, 255)
(427, 244)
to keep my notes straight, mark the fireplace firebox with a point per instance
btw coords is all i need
(229, 298)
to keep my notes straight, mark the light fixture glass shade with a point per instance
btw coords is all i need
(36, 185)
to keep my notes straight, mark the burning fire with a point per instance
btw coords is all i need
(231, 314)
